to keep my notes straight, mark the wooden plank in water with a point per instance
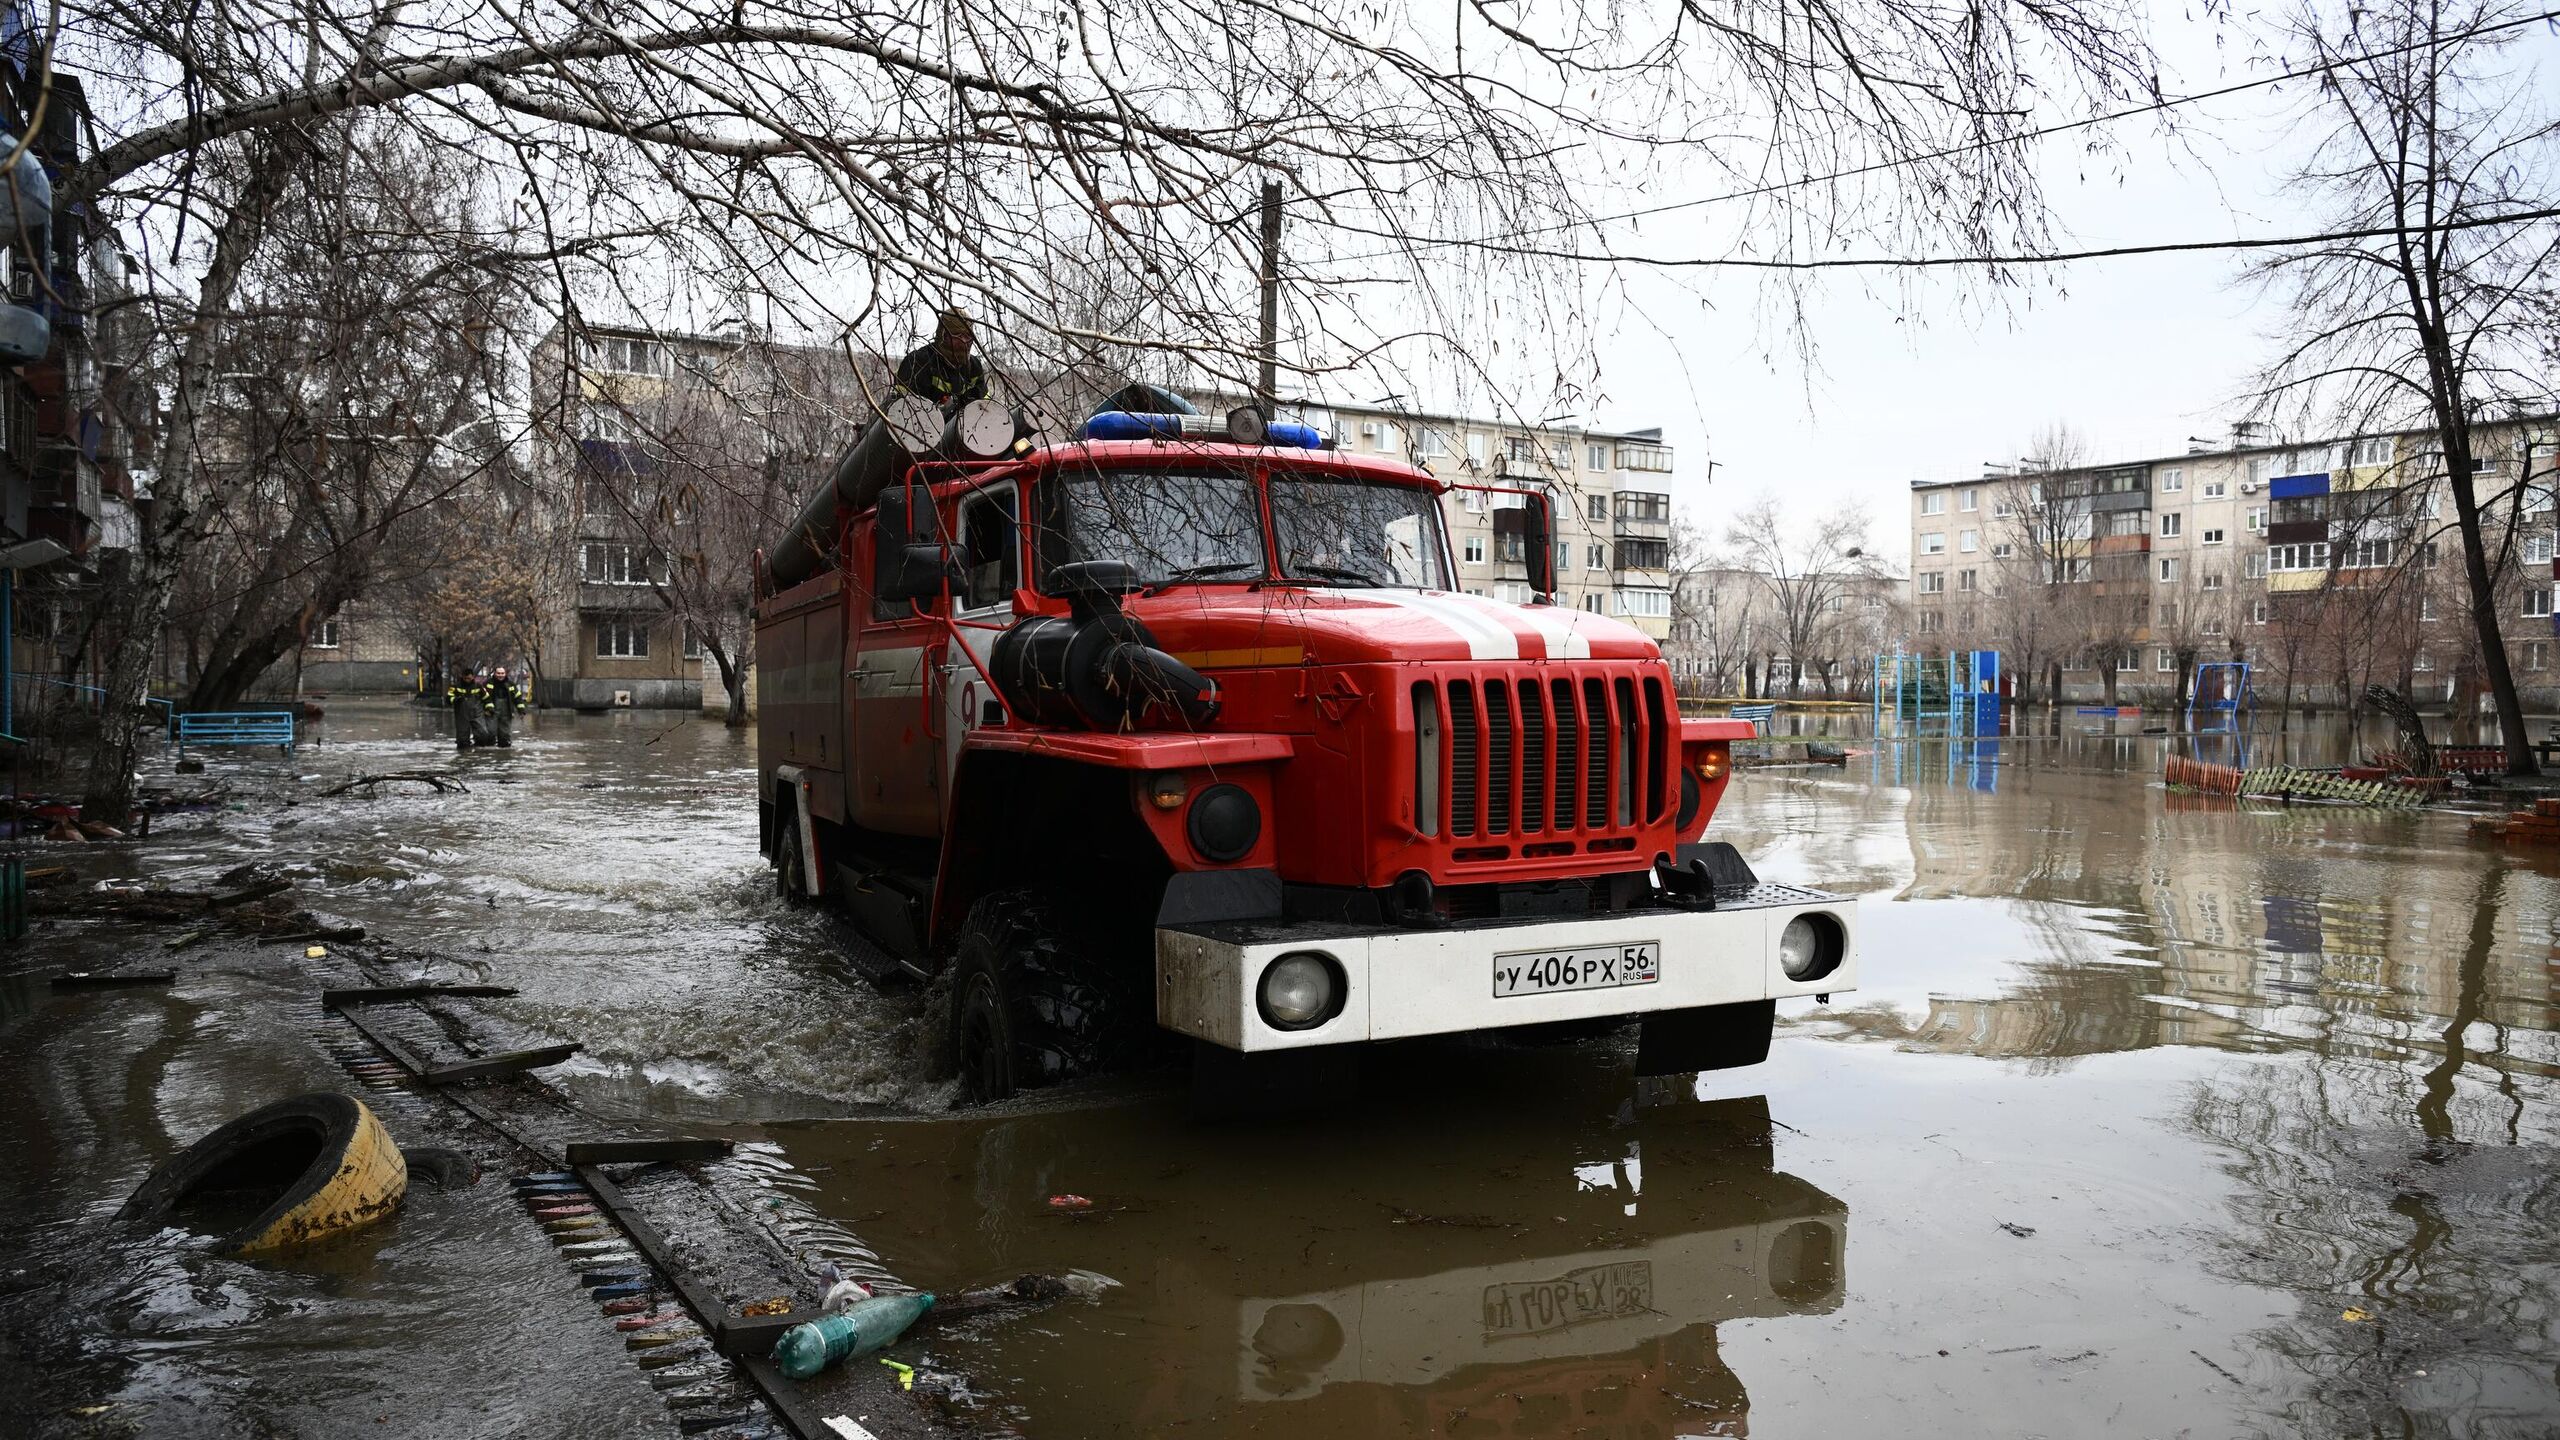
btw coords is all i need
(513, 1062)
(372, 994)
(100, 979)
(621, 1152)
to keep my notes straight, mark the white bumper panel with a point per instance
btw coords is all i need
(1438, 982)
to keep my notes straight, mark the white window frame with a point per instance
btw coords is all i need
(1933, 582)
(618, 638)
(2168, 569)
(2172, 524)
(1933, 542)
(1934, 503)
(1471, 550)
(2537, 602)
(2172, 480)
(2212, 536)
(2165, 661)
(1969, 499)
(1968, 541)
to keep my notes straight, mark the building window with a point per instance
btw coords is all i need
(2211, 625)
(1560, 454)
(1597, 507)
(2128, 661)
(1591, 602)
(323, 636)
(1519, 448)
(2537, 549)
(1511, 592)
(630, 355)
(2168, 569)
(2215, 489)
(622, 639)
(2003, 550)
(1934, 543)
(1875, 602)
(1934, 503)
(2002, 510)
(1474, 550)
(2253, 566)
(2365, 555)
(1654, 603)
(2537, 602)
(1656, 458)
(2313, 556)
(2423, 663)
(2371, 450)
(1968, 541)
(1968, 499)
(692, 643)
(2258, 519)
(1595, 557)
(2257, 612)
(2212, 536)
(2537, 654)
(612, 563)
(2211, 580)
(1431, 444)
(2426, 607)
(2172, 524)
(2166, 662)
(1647, 506)
(1964, 581)
(1595, 457)
(1931, 622)
(1933, 582)
(1644, 554)
(2172, 480)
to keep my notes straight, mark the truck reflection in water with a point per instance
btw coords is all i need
(1551, 1251)
(1475, 1328)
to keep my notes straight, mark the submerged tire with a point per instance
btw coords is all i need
(286, 1174)
(790, 873)
(1028, 1005)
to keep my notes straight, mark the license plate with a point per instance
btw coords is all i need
(1601, 1292)
(1600, 967)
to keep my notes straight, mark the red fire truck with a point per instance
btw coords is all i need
(1185, 720)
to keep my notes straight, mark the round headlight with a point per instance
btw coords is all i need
(1224, 823)
(1810, 947)
(1301, 990)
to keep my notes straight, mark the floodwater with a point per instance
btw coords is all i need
(2155, 1114)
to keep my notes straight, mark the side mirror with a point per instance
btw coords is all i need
(909, 560)
(1541, 545)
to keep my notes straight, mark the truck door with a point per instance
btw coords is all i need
(894, 778)
(990, 536)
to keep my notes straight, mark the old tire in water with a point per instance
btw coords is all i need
(1027, 1005)
(282, 1175)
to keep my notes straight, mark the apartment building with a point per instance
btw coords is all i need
(2323, 564)
(1613, 503)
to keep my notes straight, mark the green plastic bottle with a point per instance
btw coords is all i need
(873, 1324)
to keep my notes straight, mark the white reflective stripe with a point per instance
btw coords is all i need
(1486, 636)
(1562, 629)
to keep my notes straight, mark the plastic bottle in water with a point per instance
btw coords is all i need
(806, 1349)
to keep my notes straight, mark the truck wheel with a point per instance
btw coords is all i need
(1026, 1007)
(790, 874)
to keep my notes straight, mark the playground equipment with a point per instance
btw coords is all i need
(1957, 693)
(2221, 687)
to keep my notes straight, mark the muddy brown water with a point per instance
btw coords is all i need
(2153, 1115)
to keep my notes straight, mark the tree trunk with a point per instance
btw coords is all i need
(2484, 606)
(169, 530)
(730, 681)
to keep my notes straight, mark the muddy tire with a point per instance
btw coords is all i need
(300, 1170)
(1028, 1006)
(790, 873)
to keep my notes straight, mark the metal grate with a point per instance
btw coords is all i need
(1533, 756)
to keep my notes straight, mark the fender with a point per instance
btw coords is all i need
(1142, 750)
(796, 777)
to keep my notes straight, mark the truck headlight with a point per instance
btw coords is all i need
(1301, 990)
(1225, 823)
(1811, 946)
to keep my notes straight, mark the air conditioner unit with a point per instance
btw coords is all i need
(2248, 487)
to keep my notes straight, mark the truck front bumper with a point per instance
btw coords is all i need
(1403, 982)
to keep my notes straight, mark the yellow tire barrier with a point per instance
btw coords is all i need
(283, 1175)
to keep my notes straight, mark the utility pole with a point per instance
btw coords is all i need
(1269, 394)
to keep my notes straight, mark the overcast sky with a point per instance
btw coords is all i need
(2137, 353)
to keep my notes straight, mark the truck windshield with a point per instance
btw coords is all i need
(1335, 530)
(1168, 524)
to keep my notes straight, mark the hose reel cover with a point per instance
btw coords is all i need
(1099, 671)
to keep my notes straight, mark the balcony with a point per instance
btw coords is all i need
(1643, 514)
(2117, 500)
(2135, 544)
(612, 598)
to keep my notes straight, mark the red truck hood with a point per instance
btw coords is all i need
(1225, 629)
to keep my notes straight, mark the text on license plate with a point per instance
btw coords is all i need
(1540, 972)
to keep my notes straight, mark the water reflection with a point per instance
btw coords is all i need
(1550, 1252)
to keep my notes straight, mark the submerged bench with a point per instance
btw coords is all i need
(234, 727)
(1758, 715)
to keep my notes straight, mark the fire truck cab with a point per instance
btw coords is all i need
(1156, 728)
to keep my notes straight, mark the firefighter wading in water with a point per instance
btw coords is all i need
(472, 724)
(945, 372)
(505, 699)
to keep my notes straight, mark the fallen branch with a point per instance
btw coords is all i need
(442, 781)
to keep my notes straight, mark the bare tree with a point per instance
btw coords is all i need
(853, 167)
(2042, 529)
(1806, 576)
(2443, 317)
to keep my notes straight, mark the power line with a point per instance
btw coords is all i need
(1968, 148)
(1942, 262)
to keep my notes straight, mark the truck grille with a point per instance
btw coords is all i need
(1550, 760)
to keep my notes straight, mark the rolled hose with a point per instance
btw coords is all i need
(321, 1162)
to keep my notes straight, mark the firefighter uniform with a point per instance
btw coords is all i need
(470, 701)
(945, 371)
(505, 699)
